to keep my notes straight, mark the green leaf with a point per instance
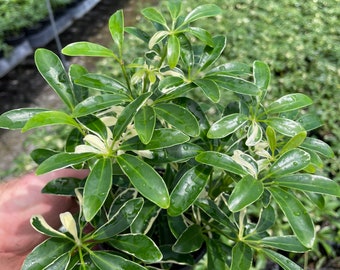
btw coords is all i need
(310, 182)
(145, 219)
(39, 224)
(62, 160)
(247, 191)
(61, 262)
(107, 261)
(271, 137)
(39, 155)
(51, 68)
(297, 216)
(201, 34)
(284, 126)
(310, 121)
(188, 188)
(216, 255)
(294, 142)
(17, 118)
(154, 15)
(290, 162)
(289, 102)
(97, 187)
(287, 243)
(170, 256)
(235, 84)
(212, 52)
(179, 117)
(162, 138)
(209, 88)
(233, 68)
(261, 73)
(212, 210)
(85, 48)
(94, 124)
(47, 118)
(173, 50)
(267, 219)
(62, 186)
(116, 27)
(254, 134)
(174, 8)
(221, 161)
(120, 221)
(318, 146)
(145, 121)
(177, 153)
(95, 104)
(145, 179)
(127, 115)
(202, 11)
(281, 260)
(103, 83)
(45, 253)
(137, 245)
(74, 138)
(75, 72)
(175, 92)
(242, 257)
(190, 240)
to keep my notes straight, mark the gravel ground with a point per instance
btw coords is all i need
(24, 87)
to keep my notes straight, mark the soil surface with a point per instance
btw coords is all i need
(24, 87)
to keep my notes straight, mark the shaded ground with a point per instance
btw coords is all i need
(23, 86)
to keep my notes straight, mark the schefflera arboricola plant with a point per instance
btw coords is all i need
(188, 160)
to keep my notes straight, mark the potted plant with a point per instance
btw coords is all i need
(178, 172)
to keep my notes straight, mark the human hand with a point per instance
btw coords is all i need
(19, 200)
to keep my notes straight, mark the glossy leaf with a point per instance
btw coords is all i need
(176, 225)
(289, 102)
(287, 243)
(119, 222)
(254, 134)
(173, 50)
(174, 8)
(216, 255)
(95, 125)
(170, 256)
(54, 247)
(85, 48)
(154, 15)
(290, 162)
(17, 118)
(127, 115)
(51, 68)
(145, 121)
(235, 84)
(107, 261)
(267, 219)
(221, 161)
(95, 104)
(61, 262)
(227, 125)
(97, 187)
(294, 142)
(242, 257)
(281, 260)
(188, 188)
(201, 34)
(162, 138)
(39, 224)
(179, 117)
(62, 186)
(39, 155)
(310, 183)
(103, 83)
(137, 245)
(261, 73)
(190, 240)
(247, 191)
(212, 210)
(62, 160)
(212, 52)
(202, 11)
(175, 92)
(75, 72)
(310, 121)
(48, 118)
(145, 179)
(285, 126)
(271, 138)
(209, 88)
(145, 219)
(296, 214)
(318, 146)
(233, 68)
(116, 27)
